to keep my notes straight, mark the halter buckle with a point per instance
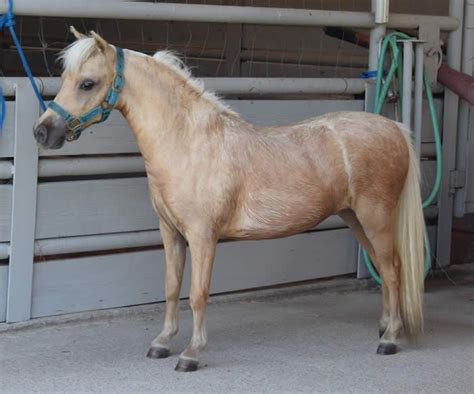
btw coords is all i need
(117, 83)
(73, 124)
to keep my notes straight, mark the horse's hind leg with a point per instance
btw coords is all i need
(390, 272)
(175, 255)
(351, 220)
(202, 245)
(378, 225)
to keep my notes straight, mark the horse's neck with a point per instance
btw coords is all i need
(162, 111)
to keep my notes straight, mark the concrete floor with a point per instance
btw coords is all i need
(302, 340)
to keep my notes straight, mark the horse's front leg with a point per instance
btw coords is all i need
(202, 247)
(175, 255)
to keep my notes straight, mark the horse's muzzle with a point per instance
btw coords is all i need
(50, 133)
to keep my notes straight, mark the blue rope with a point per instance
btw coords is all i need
(8, 20)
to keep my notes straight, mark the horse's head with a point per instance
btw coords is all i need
(84, 98)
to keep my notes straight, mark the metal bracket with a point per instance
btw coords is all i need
(457, 180)
(430, 33)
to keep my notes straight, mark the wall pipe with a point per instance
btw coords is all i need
(4, 250)
(217, 14)
(85, 166)
(49, 86)
(94, 243)
(459, 82)
(52, 167)
(134, 239)
(6, 169)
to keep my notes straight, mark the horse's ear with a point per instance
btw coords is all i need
(76, 34)
(99, 41)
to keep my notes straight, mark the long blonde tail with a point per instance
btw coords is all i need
(409, 233)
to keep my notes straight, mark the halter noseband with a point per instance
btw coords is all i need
(98, 114)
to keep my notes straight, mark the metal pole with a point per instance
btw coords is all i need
(376, 35)
(6, 169)
(98, 242)
(407, 82)
(134, 239)
(4, 250)
(216, 13)
(465, 111)
(418, 97)
(52, 167)
(227, 86)
(450, 127)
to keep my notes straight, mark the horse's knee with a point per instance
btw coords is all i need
(172, 295)
(198, 300)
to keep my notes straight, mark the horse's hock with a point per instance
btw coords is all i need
(77, 229)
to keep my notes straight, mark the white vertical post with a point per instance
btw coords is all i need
(466, 111)
(376, 35)
(380, 10)
(20, 272)
(450, 128)
(407, 82)
(418, 97)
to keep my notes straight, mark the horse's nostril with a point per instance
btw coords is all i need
(41, 134)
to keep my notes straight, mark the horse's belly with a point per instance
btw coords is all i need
(269, 217)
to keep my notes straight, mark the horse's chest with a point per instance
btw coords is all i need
(163, 205)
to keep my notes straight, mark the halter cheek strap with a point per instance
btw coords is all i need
(98, 114)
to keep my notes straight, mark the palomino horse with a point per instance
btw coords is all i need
(212, 176)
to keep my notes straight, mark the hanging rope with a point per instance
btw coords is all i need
(8, 21)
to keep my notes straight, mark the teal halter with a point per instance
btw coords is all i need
(98, 114)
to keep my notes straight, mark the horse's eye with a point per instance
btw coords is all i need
(87, 84)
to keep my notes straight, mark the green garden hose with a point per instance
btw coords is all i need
(381, 91)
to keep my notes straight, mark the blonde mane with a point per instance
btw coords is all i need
(74, 56)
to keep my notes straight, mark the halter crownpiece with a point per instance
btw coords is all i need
(98, 114)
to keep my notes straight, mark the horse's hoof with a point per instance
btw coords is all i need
(158, 352)
(387, 348)
(381, 332)
(186, 365)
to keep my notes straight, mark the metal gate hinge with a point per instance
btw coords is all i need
(457, 180)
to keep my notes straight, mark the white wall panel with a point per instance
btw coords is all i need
(98, 282)
(93, 207)
(7, 131)
(5, 212)
(3, 291)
